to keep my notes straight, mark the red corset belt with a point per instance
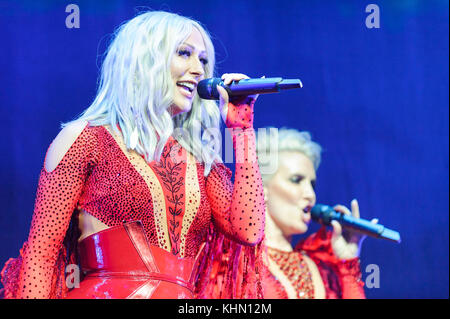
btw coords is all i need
(119, 263)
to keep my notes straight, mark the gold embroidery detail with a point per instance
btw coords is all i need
(158, 200)
(192, 200)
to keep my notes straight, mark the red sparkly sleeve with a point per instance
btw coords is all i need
(233, 258)
(238, 209)
(342, 278)
(37, 272)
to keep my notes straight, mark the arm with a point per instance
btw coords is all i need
(342, 277)
(238, 210)
(60, 185)
(346, 245)
(350, 279)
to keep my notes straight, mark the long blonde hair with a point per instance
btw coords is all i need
(136, 88)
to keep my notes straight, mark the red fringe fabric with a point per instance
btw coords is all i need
(229, 270)
(318, 246)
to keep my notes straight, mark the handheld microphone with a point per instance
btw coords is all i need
(207, 88)
(324, 214)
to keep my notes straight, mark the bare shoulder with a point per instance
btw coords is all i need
(61, 144)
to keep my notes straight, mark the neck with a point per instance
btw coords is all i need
(275, 237)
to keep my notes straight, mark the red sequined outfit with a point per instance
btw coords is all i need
(178, 208)
(295, 269)
(341, 278)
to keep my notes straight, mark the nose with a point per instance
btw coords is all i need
(309, 194)
(196, 67)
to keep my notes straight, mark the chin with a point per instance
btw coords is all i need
(177, 109)
(301, 229)
(297, 230)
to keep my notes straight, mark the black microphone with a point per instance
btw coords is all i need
(324, 214)
(207, 88)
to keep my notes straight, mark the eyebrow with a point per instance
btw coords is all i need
(193, 47)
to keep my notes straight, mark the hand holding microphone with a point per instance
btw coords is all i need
(240, 90)
(347, 242)
(349, 230)
(238, 113)
(244, 86)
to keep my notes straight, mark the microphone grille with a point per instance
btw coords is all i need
(207, 88)
(319, 211)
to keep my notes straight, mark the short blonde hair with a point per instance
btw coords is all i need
(288, 140)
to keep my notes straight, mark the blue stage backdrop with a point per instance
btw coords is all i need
(376, 99)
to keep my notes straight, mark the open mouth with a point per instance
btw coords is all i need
(189, 87)
(307, 209)
(306, 217)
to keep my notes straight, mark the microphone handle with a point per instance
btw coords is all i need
(363, 226)
(207, 88)
(249, 86)
(325, 214)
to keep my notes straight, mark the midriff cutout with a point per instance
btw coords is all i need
(89, 225)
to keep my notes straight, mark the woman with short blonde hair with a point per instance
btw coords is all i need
(324, 265)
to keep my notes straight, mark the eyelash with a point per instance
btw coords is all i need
(188, 54)
(298, 179)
